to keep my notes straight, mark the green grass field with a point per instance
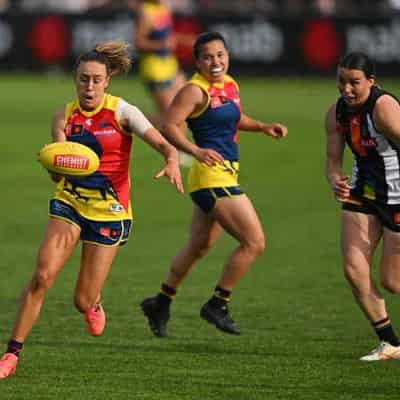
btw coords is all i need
(302, 332)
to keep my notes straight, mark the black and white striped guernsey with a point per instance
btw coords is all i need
(376, 168)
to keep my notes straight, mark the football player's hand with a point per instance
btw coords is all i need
(209, 156)
(55, 177)
(341, 188)
(275, 130)
(172, 172)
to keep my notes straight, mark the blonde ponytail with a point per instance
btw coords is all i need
(113, 54)
(117, 54)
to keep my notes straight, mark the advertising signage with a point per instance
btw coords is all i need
(309, 46)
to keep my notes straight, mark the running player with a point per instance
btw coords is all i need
(95, 210)
(158, 65)
(368, 119)
(211, 106)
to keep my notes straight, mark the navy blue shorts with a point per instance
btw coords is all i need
(106, 233)
(206, 198)
(153, 86)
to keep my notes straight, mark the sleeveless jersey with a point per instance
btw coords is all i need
(104, 195)
(376, 168)
(215, 127)
(161, 20)
(158, 66)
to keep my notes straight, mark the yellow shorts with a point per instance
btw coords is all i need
(157, 69)
(201, 176)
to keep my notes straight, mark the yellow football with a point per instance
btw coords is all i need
(69, 158)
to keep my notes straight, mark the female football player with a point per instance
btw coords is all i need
(210, 104)
(368, 119)
(158, 65)
(96, 209)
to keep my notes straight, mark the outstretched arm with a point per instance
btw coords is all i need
(334, 157)
(274, 130)
(132, 120)
(171, 169)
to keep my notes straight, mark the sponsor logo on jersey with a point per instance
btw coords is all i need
(369, 143)
(218, 101)
(104, 124)
(116, 207)
(105, 132)
(354, 121)
(76, 130)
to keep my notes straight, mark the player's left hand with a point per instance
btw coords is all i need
(275, 130)
(172, 172)
(55, 177)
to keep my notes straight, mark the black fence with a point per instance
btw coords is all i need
(258, 45)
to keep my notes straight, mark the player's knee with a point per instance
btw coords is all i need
(256, 245)
(42, 281)
(391, 285)
(203, 250)
(200, 247)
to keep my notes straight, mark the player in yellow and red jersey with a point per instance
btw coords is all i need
(96, 209)
(210, 105)
(155, 41)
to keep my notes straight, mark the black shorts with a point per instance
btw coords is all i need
(388, 214)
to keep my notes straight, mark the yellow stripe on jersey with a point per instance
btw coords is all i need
(203, 83)
(109, 102)
(201, 176)
(92, 203)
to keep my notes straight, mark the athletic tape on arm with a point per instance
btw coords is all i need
(138, 123)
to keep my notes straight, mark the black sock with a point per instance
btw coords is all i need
(220, 298)
(14, 347)
(166, 295)
(385, 332)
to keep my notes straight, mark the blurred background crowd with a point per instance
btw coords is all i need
(267, 7)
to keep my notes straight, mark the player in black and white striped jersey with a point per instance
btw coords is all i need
(367, 118)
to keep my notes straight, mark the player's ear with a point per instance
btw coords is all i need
(108, 78)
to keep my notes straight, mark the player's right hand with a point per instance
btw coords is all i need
(209, 157)
(341, 188)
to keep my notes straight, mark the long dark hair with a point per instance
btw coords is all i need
(360, 61)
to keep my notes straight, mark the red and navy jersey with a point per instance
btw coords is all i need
(162, 22)
(376, 168)
(215, 126)
(100, 131)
